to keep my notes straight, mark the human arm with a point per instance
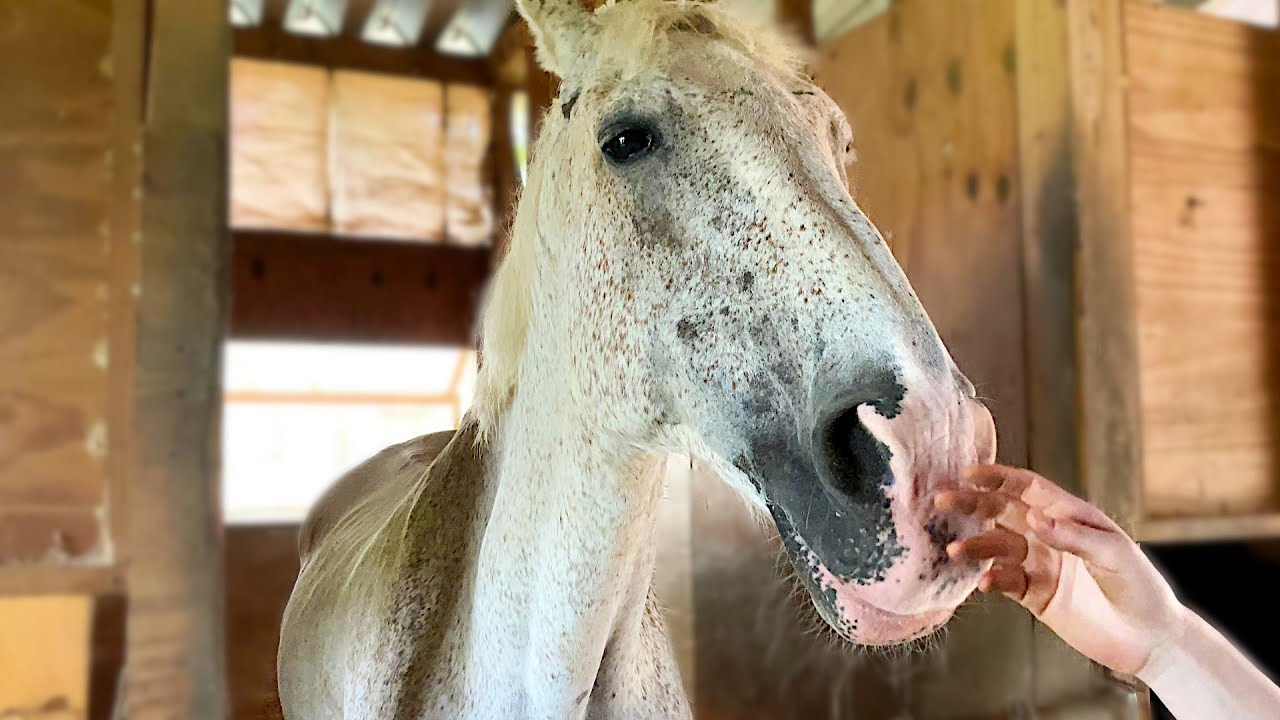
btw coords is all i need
(1079, 573)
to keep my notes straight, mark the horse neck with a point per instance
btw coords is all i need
(567, 559)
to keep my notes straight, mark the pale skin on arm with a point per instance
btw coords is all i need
(1078, 572)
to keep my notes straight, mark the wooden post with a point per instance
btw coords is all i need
(1039, 56)
(1111, 445)
(175, 655)
(1041, 60)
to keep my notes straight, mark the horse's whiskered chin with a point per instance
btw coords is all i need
(861, 621)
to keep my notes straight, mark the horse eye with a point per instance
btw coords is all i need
(630, 145)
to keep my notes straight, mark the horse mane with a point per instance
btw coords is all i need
(637, 34)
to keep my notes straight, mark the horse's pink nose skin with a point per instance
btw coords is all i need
(929, 443)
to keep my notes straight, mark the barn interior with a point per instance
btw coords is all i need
(243, 244)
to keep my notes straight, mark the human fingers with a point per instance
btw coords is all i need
(985, 505)
(1081, 512)
(1031, 488)
(1010, 580)
(1098, 547)
(1001, 544)
(976, 503)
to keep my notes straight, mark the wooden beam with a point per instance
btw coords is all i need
(1111, 419)
(1220, 528)
(510, 64)
(439, 13)
(320, 287)
(509, 61)
(1039, 60)
(505, 173)
(350, 53)
(40, 580)
(355, 16)
(175, 650)
(274, 13)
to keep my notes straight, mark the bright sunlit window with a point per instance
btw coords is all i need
(298, 415)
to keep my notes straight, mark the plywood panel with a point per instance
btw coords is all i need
(55, 280)
(930, 94)
(468, 174)
(1204, 118)
(279, 139)
(388, 169)
(44, 650)
(262, 563)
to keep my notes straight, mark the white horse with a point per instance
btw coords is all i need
(688, 274)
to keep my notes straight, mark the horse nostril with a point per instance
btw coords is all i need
(857, 463)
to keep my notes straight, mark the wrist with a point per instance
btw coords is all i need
(1167, 654)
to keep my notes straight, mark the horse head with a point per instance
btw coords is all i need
(687, 244)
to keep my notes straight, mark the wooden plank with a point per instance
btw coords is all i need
(350, 53)
(511, 64)
(321, 287)
(1204, 160)
(934, 116)
(283, 135)
(56, 332)
(106, 655)
(1220, 528)
(1111, 443)
(44, 650)
(129, 45)
(1049, 233)
(262, 563)
(176, 665)
(387, 171)
(33, 580)
(502, 157)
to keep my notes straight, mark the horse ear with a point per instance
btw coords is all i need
(562, 30)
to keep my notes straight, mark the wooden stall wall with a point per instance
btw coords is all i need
(1203, 131)
(1174, 127)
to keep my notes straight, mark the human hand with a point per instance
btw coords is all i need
(1069, 564)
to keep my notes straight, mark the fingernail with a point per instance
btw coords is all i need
(953, 549)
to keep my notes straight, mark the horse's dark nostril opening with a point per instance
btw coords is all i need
(857, 463)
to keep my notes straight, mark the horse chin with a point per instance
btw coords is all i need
(857, 612)
(859, 621)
